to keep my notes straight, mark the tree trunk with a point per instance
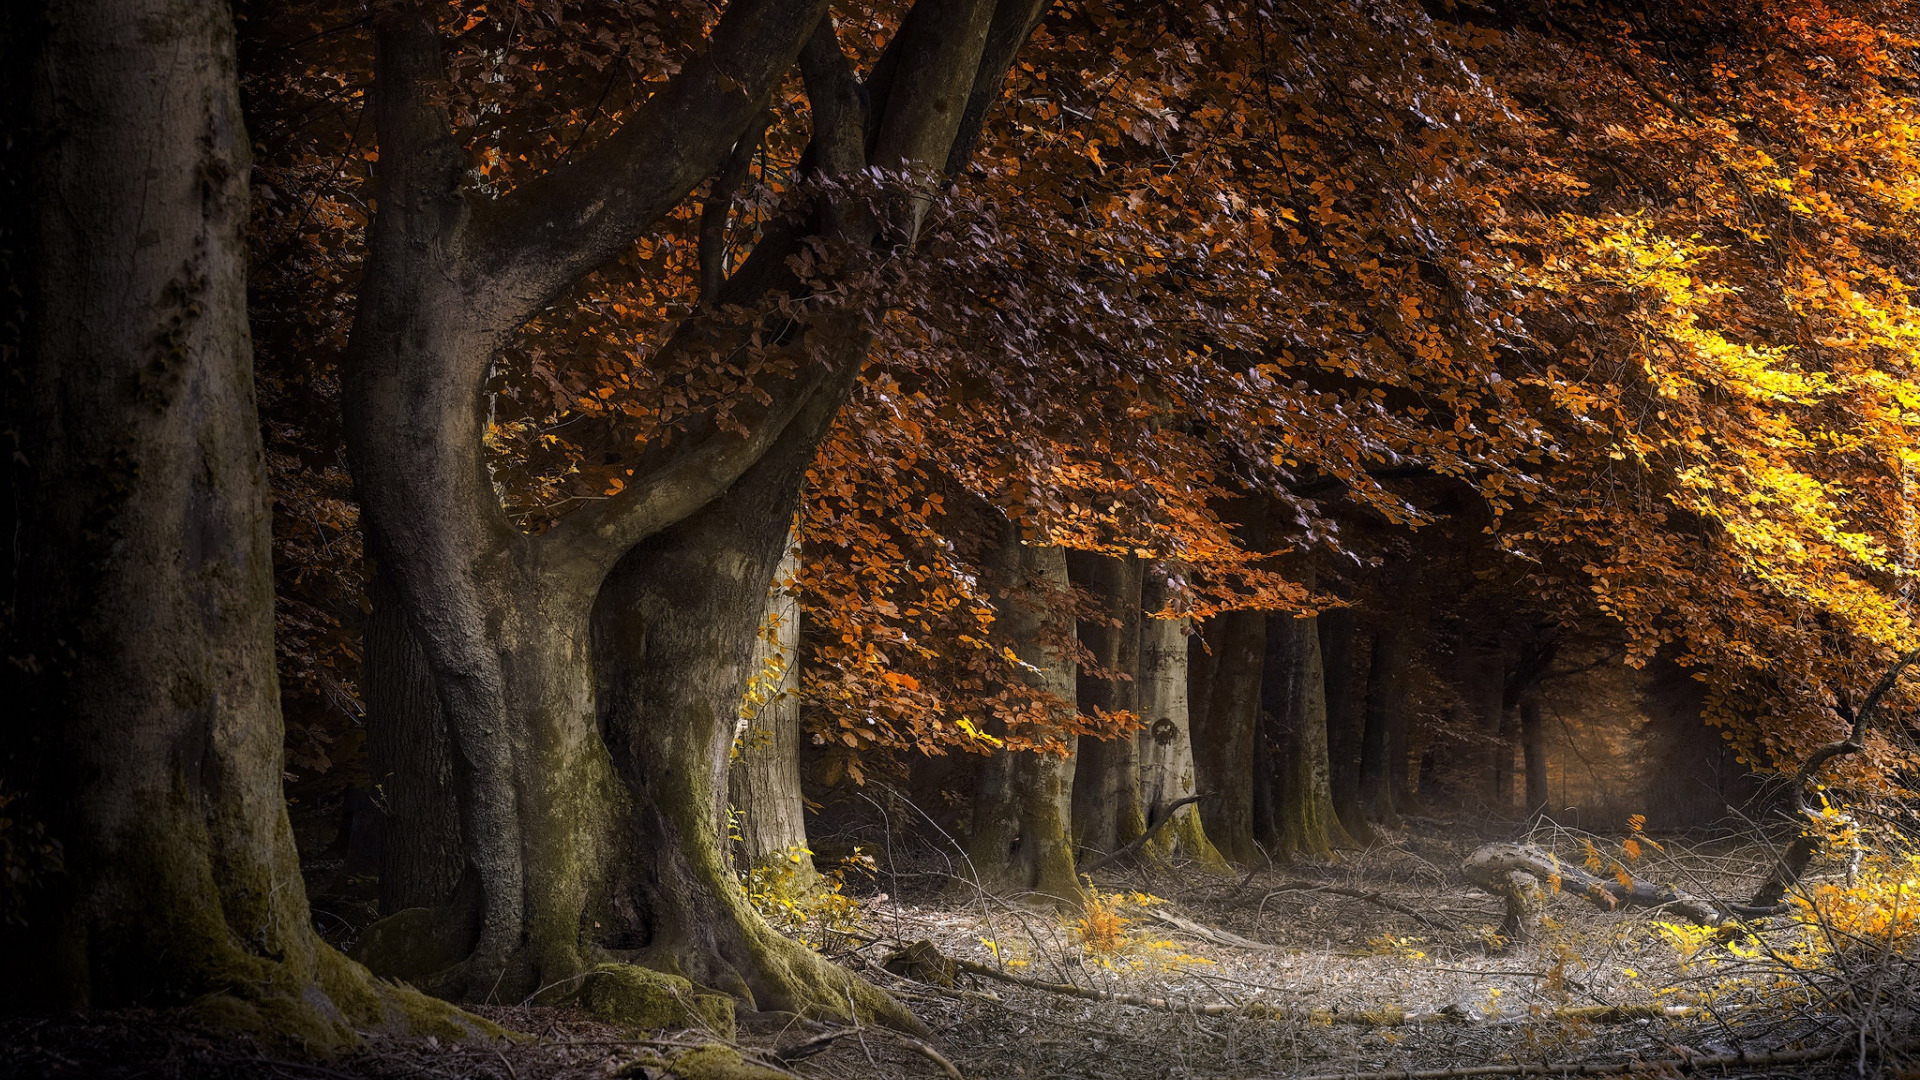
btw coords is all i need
(143, 718)
(1383, 743)
(1303, 801)
(1224, 732)
(410, 761)
(1346, 720)
(764, 780)
(1021, 841)
(1106, 784)
(1483, 677)
(1165, 739)
(1533, 740)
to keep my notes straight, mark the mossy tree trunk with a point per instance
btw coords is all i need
(1022, 842)
(1224, 731)
(1303, 799)
(1166, 739)
(676, 629)
(143, 715)
(763, 783)
(1107, 810)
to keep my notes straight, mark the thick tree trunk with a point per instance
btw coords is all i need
(1533, 741)
(142, 717)
(1021, 842)
(1224, 731)
(410, 761)
(1106, 785)
(764, 780)
(676, 629)
(1303, 803)
(1346, 720)
(1165, 739)
(1383, 743)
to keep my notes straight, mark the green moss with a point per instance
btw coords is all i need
(638, 997)
(411, 944)
(720, 1063)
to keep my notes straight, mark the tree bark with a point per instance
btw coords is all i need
(769, 812)
(1166, 739)
(1224, 732)
(1303, 802)
(143, 719)
(1383, 743)
(1021, 842)
(1107, 810)
(410, 761)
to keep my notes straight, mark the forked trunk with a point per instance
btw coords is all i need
(1303, 801)
(1021, 841)
(146, 734)
(1106, 783)
(1224, 731)
(764, 781)
(1166, 740)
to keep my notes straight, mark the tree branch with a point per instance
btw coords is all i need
(536, 241)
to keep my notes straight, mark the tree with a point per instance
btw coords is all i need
(503, 616)
(144, 727)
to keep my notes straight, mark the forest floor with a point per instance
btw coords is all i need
(1378, 963)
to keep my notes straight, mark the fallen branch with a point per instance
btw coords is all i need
(1208, 933)
(1145, 838)
(1614, 1068)
(1359, 894)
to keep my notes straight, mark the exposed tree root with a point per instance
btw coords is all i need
(1613, 1068)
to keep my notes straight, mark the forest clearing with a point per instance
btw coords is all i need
(736, 539)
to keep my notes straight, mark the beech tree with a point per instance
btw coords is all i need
(143, 729)
(502, 616)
